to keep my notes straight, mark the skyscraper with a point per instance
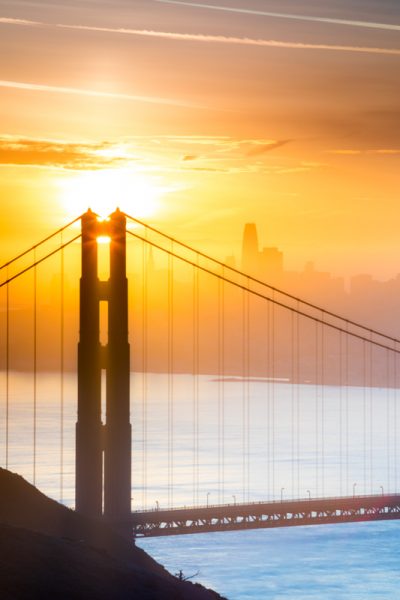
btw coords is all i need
(250, 253)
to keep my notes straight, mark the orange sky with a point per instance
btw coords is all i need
(211, 117)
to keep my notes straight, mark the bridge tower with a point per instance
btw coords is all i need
(103, 451)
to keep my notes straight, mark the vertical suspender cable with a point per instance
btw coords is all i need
(347, 407)
(193, 387)
(194, 395)
(364, 383)
(388, 461)
(340, 413)
(143, 370)
(62, 306)
(292, 399)
(273, 393)
(197, 393)
(221, 373)
(316, 409)
(7, 368)
(371, 416)
(196, 382)
(145, 266)
(322, 406)
(268, 411)
(248, 434)
(387, 385)
(223, 386)
(298, 399)
(219, 369)
(395, 416)
(244, 362)
(246, 394)
(170, 377)
(34, 365)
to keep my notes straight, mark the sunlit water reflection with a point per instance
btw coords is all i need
(230, 442)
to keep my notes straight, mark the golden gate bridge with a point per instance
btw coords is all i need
(333, 433)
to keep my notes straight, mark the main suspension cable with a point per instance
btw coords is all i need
(256, 280)
(281, 304)
(39, 261)
(43, 241)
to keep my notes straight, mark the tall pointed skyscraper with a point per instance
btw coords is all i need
(250, 253)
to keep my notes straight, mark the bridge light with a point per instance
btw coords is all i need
(354, 489)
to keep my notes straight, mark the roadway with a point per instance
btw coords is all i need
(261, 515)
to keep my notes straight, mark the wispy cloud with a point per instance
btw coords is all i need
(358, 152)
(11, 21)
(263, 13)
(39, 87)
(56, 154)
(162, 154)
(204, 38)
(262, 148)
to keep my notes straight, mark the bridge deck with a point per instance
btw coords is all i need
(231, 517)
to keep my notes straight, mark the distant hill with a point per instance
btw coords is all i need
(49, 551)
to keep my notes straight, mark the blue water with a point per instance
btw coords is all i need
(351, 447)
(331, 562)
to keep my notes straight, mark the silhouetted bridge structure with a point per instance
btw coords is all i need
(265, 515)
(241, 330)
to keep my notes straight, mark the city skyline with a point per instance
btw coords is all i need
(261, 255)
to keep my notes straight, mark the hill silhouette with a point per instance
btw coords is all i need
(49, 551)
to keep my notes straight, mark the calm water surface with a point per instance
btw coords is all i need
(236, 441)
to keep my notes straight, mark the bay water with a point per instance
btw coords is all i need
(200, 440)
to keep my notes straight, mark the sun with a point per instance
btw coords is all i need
(103, 191)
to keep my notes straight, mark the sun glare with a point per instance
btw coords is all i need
(103, 191)
(103, 239)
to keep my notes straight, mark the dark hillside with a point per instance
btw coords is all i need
(48, 551)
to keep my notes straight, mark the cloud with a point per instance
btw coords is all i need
(348, 152)
(387, 151)
(263, 13)
(358, 152)
(45, 153)
(10, 21)
(211, 169)
(260, 149)
(39, 87)
(204, 38)
(164, 154)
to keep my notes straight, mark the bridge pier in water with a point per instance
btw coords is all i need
(103, 451)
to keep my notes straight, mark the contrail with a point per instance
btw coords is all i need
(38, 87)
(10, 21)
(217, 39)
(220, 39)
(263, 13)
